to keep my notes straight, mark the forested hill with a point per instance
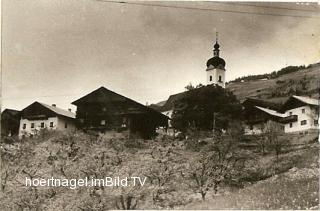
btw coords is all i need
(278, 85)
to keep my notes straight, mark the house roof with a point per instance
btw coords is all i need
(270, 111)
(306, 100)
(11, 111)
(104, 95)
(59, 111)
(261, 103)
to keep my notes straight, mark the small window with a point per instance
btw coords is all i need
(303, 122)
(42, 124)
(316, 122)
(24, 126)
(220, 78)
(103, 122)
(210, 78)
(303, 110)
(290, 125)
(32, 125)
(290, 113)
(51, 124)
(65, 125)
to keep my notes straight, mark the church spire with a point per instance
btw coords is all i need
(216, 47)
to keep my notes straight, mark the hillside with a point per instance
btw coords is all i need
(301, 82)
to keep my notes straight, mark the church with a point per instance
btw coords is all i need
(216, 68)
(215, 76)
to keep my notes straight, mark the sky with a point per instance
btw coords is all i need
(56, 51)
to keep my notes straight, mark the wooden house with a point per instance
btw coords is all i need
(104, 110)
(10, 122)
(39, 116)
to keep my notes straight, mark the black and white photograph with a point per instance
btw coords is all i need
(159, 105)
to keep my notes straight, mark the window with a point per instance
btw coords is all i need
(103, 122)
(32, 125)
(210, 78)
(65, 125)
(220, 78)
(24, 126)
(315, 122)
(51, 124)
(303, 110)
(42, 124)
(290, 125)
(290, 113)
(303, 122)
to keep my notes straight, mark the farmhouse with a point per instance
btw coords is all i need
(104, 110)
(38, 116)
(297, 114)
(10, 120)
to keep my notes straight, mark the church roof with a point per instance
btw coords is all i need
(216, 62)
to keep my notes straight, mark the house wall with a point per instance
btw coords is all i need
(309, 115)
(215, 73)
(254, 129)
(58, 124)
(168, 114)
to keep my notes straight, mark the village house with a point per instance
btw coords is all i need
(297, 114)
(104, 110)
(10, 120)
(39, 116)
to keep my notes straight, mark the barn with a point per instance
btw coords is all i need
(104, 110)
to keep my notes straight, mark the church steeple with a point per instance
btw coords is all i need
(216, 67)
(216, 47)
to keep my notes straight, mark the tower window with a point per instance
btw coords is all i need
(42, 124)
(210, 78)
(24, 126)
(220, 78)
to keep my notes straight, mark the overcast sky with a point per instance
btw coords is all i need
(55, 51)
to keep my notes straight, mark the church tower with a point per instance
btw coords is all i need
(216, 67)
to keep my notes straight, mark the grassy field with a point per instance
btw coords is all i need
(292, 184)
(295, 185)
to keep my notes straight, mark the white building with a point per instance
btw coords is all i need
(39, 116)
(303, 112)
(216, 68)
(296, 114)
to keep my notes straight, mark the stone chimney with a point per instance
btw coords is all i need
(54, 105)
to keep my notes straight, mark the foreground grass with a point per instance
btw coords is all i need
(297, 188)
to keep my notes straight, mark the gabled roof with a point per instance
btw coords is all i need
(270, 111)
(306, 100)
(261, 103)
(59, 111)
(297, 101)
(11, 111)
(104, 95)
